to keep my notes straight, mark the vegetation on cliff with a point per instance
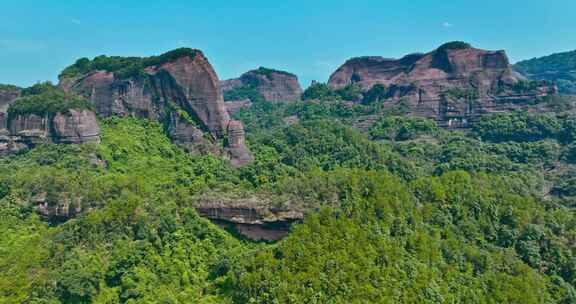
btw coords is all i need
(124, 67)
(46, 99)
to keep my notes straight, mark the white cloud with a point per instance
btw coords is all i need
(447, 24)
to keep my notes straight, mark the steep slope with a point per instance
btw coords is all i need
(179, 89)
(559, 68)
(272, 85)
(453, 84)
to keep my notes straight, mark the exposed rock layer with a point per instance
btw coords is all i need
(452, 86)
(182, 93)
(272, 85)
(254, 217)
(25, 131)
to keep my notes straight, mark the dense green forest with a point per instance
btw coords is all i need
(405, 212)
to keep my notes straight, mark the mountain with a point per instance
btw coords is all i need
(559, 68)
(269, 84)
(454, 84)
(179, 89)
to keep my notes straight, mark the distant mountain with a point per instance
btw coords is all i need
(269, 84)
(560, 67)
(454, 84)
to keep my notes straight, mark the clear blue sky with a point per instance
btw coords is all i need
(310, 38)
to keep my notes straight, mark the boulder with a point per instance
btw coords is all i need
(272, 85)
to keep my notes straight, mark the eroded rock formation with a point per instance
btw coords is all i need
(27, 130)
(254, 217)
(272, 85)
(453, 84)
(179, 89)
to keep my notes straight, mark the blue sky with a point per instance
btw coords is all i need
(309, 38)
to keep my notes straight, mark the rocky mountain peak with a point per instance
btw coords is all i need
(179, 88)
(272, 85)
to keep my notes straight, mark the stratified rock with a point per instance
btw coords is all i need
(179, 89)
(453, 84)
(272, 85)
(255, 217)
(72, 127)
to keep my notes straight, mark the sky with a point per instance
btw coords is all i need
(39, 38)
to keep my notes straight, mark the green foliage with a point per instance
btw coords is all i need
(559, 68)
(124, 67)
(402, 128)
(350, 92)
(428, 216)
(519, 126)
(46, 99)
(454, 45)
(436, 240)
(268, 72)
(243, 92)
(377, 93)
(318, 91)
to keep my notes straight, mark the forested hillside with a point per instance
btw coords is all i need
(560, 68)
(382, 203)
(418, 214)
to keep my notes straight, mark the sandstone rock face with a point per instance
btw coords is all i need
(8, 94)
(183, 93)
(451, 85)
(26, 131)
(75, 127)
(254, 217)
(272, 85)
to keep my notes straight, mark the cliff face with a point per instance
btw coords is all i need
(272, 85)
(182, 92)
(453, 84)
(27, 130)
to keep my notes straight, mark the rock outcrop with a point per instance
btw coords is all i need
(272, 85)
(43, 114)
(254, 217)
(8, 93)
(27, 130)
(559, 68)
(453, 84)
(179, 89)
